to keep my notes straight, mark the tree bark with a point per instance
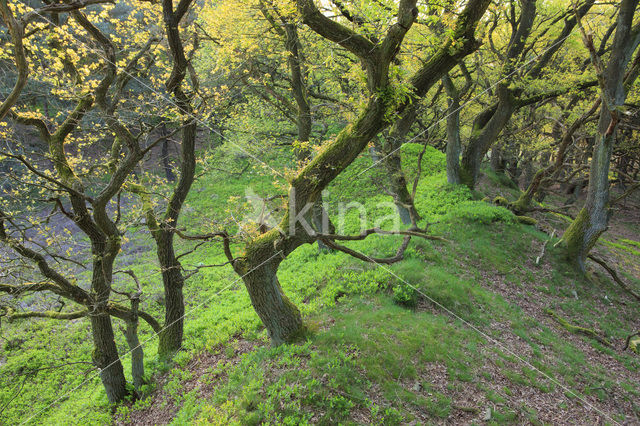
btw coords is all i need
(173, 283)
(497, 163)
(454, 144)
(166, 164)
(593, 219)
(172, 277)
(486, 128)
(137, 353)
(105, 357)
(279, 315)
(105, 354)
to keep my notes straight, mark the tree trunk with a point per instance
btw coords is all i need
(392, 163)
(172, 278)
(258, 266)
(497, 163)
(486, 129)
(105, 357)
(397, 183)
(279, 315)
(171, 177)
(593, 219)
(105, 354)
(454, 144)
(173, 283)
(137, 353)
(398, 186)
(304, 121)
(322, 223)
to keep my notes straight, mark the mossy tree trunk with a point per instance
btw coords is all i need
(454, 143)
(593, 219)
(259, 273)
(258, 266)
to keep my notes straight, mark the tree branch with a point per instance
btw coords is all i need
(17, 33)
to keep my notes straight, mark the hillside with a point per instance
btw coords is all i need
(266, 212)
(467, 329)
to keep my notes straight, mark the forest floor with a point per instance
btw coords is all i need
(469, 331)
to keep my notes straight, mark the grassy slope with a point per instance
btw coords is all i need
(380, 352)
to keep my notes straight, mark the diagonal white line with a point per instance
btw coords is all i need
(496, 342)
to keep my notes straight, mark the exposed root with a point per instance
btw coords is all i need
(526, 220)
(577, 329)
(615, 276)
(632, 343)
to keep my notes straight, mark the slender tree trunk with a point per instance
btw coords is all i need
(172, 278)
(173, 283)
(527, 168)
(454, 144)
(137, 353)
(171, 177)
(497, 163)
(392, 164)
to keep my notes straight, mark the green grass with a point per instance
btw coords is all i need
(379, 333)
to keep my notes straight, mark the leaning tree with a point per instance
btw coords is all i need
(84, 165)
(259, 261)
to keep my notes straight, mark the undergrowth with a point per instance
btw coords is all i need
(390, 344)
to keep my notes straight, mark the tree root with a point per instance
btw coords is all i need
(526, 220)
(615, 276)
(577, 329)
(632, 343)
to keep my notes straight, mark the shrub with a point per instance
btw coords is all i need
(435, 197)
(405, 295)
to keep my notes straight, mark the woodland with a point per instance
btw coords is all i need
(319, 212)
